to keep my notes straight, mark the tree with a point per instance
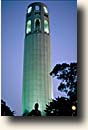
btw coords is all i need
(26, 112)
(5, 110)
(60, 107)
(67, 78)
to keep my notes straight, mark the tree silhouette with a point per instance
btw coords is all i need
(26, 112)
(67, 78)
(61, 107)
(5, 110)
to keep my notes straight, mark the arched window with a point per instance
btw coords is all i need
(46, 26)
(37, 24)
(29, 9)
(28, 29)
(45, 9)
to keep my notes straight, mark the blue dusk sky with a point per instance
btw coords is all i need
(63, 33)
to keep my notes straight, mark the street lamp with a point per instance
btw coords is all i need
(73, 108)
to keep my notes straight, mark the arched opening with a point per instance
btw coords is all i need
(46, 26)
(37, 24)
(28, 28)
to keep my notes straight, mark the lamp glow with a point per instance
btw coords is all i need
(73, 108)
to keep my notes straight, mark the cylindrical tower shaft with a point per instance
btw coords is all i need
(37, 83)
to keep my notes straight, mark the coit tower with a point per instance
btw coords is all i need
(37, 82)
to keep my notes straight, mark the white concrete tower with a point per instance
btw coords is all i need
(37, 82)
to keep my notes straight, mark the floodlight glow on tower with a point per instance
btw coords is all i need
(37, 82)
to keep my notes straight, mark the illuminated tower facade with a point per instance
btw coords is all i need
(37, 83)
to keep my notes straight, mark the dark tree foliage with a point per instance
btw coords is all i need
(67, 75)
(67, 78)
(61, 107)
(26, 112)
(5, 110)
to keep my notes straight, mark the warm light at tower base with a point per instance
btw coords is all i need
(73, 108)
